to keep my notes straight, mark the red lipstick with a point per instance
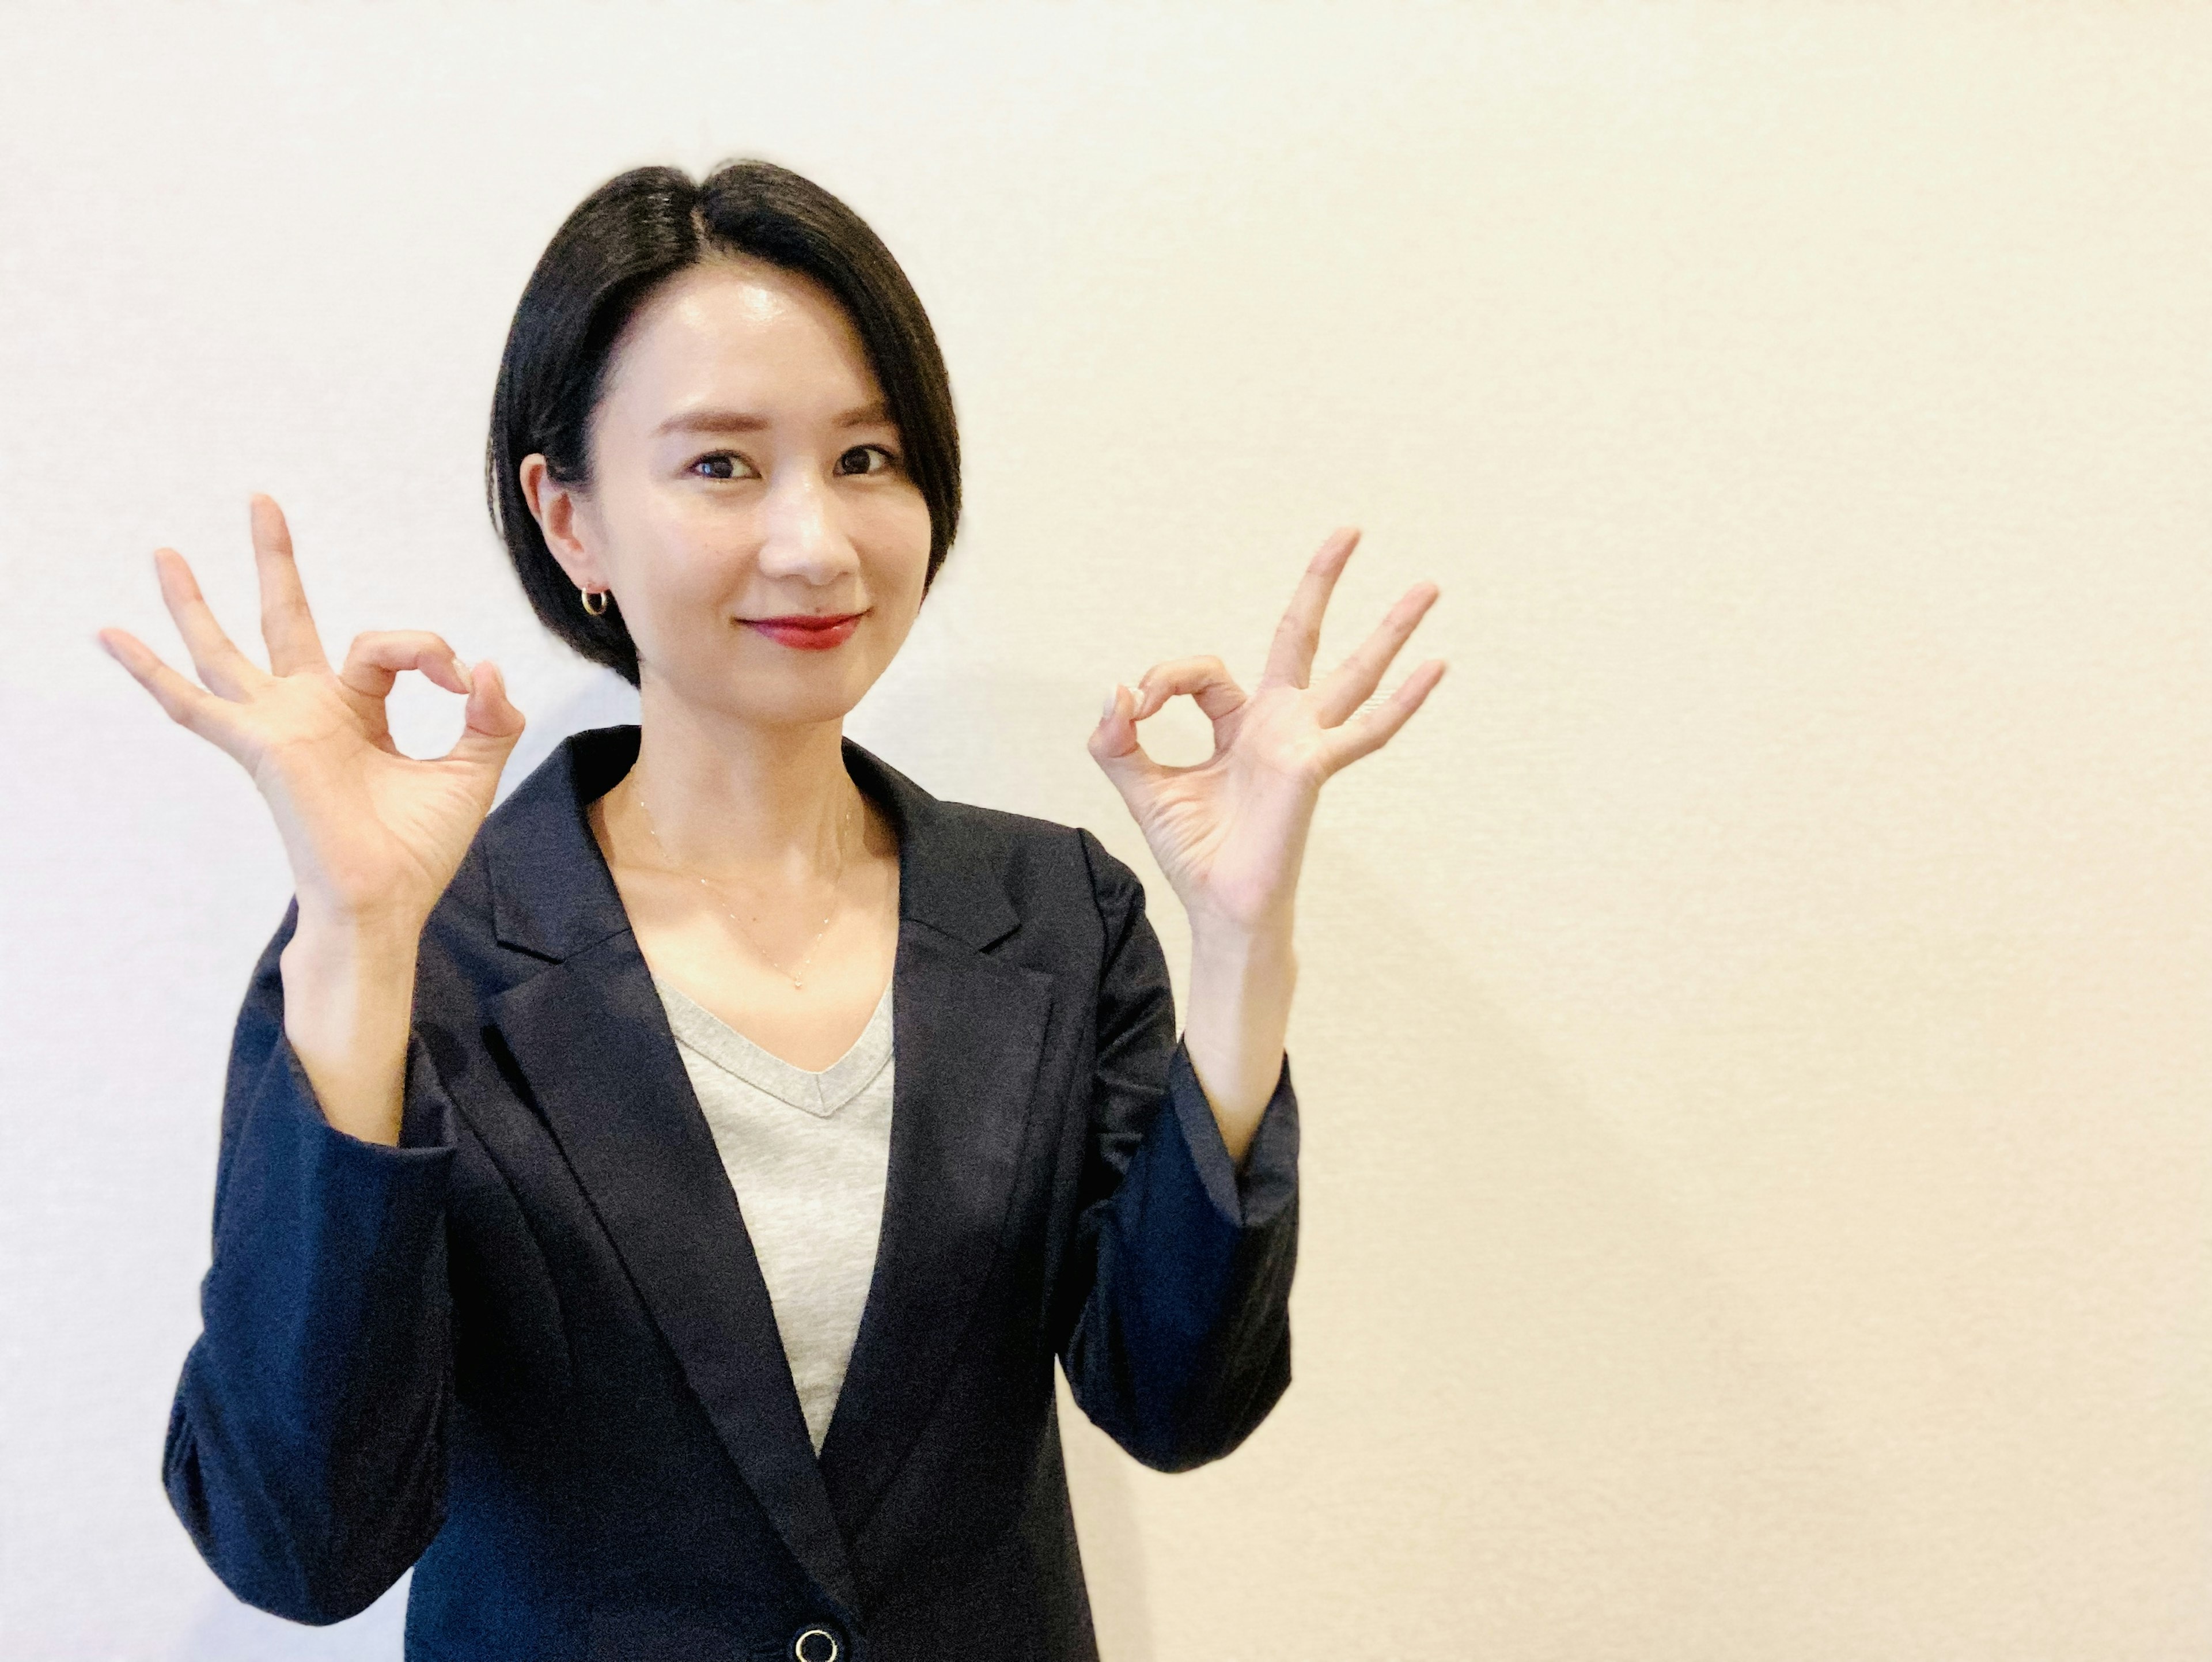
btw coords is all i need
(806, 632)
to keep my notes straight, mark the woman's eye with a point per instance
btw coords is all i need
(722, 465)
(867, 458)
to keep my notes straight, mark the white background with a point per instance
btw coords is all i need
(1756, 1029)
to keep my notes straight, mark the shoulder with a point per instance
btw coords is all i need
(1046, 867)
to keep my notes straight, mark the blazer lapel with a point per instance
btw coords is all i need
(968, 1036)
(590, 1035)
(591, 1038)
(968, 1033)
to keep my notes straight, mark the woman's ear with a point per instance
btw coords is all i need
(558, 508)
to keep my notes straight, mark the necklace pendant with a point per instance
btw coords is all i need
(797, 984)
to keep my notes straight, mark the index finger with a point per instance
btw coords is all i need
(287, 626)
(1290, 659)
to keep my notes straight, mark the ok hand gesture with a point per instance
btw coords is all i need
(1230, 833)
(374, 837)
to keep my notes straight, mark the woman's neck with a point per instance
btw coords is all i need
(722, 797)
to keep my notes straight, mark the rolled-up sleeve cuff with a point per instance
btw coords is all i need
(424, 1114)
(1257, 1195)
(296, 1164)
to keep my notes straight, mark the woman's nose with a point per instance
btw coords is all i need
(805, 538)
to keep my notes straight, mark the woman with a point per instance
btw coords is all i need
(652, 1210)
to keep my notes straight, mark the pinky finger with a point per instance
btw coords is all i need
(1370, 730)
(189, 706)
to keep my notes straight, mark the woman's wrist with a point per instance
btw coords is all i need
(348, 1009)
(1242, 979)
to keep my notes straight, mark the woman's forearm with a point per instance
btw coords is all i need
(348, 1009)
(1241, 981)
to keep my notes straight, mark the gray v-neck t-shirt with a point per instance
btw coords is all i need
(807, 1154)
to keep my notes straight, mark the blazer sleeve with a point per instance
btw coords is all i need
(306, 1448)
(1181, 1344)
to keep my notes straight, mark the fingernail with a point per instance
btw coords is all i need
(461, 675)
(1113, 702)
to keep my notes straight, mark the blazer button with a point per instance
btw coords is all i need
(817, 1645)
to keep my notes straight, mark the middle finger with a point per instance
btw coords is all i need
(1351, 682)
(287, 626)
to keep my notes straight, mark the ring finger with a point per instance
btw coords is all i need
(222, 667)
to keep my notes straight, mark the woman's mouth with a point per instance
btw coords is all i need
(808, 633)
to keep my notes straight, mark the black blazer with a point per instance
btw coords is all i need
(529, 1351)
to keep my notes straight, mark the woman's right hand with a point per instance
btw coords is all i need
(373, 836)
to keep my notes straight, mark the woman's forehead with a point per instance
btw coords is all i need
(734, 333)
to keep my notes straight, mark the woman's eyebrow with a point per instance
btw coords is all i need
(877, 414)
(714, 420)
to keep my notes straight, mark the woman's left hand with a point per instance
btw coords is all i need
(1230, 833)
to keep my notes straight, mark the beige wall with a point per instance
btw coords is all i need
(1755, 1034)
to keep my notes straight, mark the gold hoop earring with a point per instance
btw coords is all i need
(601, 609)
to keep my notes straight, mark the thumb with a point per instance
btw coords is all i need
(494, 722)
(1113, 745)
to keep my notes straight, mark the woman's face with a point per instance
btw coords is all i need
(744, 473)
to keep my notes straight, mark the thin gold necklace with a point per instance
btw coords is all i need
(836, 889)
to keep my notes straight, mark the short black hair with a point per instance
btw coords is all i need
(621, 243)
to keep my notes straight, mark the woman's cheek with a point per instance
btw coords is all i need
(901, 530)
